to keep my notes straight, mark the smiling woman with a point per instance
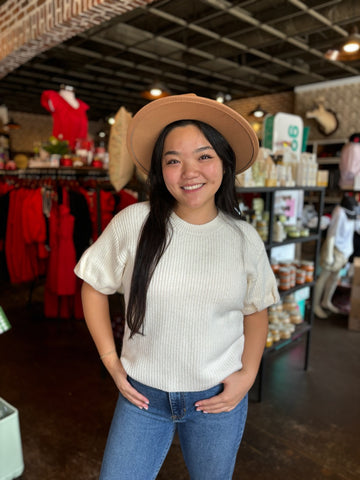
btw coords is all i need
(192, 172)
(197, 283)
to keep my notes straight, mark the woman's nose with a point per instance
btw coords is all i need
(190, 169)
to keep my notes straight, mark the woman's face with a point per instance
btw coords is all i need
(192, 172)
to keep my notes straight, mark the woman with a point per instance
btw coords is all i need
(197, 283)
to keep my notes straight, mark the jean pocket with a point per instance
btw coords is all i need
(211, 392)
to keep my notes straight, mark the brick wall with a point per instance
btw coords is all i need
(340, 96)
(277, 102)
(36, 129)
(29, 27)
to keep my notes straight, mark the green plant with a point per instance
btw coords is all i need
(56, 146)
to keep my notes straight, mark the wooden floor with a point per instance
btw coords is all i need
(306, 427)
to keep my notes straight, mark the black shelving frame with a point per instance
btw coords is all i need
(304, 329)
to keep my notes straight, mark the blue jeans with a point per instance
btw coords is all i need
(139, 440)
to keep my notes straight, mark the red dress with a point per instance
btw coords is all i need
(61, 283)
(22, 247)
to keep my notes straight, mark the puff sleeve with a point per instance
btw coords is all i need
(104, 264)
(262, 289)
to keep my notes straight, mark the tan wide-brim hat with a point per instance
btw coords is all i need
(147, 124)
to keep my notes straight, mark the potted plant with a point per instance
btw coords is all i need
(57, 148)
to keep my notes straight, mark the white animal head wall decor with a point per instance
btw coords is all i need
(326, 119)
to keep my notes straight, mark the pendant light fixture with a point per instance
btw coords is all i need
(156, 90)
(223, 97)
(258, 112)
(348, 50)
(12, 125)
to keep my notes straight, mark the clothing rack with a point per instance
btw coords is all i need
(92, 179)
(55, 173)
(89, 177)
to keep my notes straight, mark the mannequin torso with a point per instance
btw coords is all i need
(69, 96)
(69, 114)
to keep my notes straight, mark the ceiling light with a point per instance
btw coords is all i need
(220, 97)
(12, 125)
(258, 112)
(223, 97)
(347, 50)
(156, 90)
(351, 46)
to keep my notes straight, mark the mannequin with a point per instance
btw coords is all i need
(335, 253)
(68, 112)
(67, 93)
(350, 161)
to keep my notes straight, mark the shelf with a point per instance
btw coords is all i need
(328, 152)
(289, 291)
(311, 188)
(289, 241)
(317, 195)
(57, 172)
(328, 160)
(332, 199)
(300, 330)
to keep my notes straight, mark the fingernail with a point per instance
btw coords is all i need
(146, 407)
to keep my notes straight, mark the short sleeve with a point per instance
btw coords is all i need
(49, 100)
(102, 264)
(262, 288)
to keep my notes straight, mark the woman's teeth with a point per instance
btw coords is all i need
(193, 187)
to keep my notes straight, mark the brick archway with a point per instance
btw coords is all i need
(29, 28)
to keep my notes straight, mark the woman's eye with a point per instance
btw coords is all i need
(172, 161)
(205, 156)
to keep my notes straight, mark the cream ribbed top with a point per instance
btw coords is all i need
(209, 277)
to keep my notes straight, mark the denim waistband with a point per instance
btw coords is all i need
(173, 405)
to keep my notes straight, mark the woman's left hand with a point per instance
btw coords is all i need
(236, 387)
(239, 383)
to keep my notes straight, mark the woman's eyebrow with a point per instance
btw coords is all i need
(171, 152)
(197, 150)
(202, 149)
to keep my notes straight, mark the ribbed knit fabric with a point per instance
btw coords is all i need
(209, 277)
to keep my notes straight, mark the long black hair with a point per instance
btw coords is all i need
(154, 236)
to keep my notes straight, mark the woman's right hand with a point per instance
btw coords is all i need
(114, 366)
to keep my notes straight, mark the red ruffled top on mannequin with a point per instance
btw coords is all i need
(69, 123)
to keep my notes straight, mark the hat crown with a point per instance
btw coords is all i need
(147, 124)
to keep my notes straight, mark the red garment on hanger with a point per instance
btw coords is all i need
(69, 123)
(34, 226)
(126, 199)
(61, 282)
(60, 276)
(20, 250)
(107, 206)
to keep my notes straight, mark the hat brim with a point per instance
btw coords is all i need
(147, 124)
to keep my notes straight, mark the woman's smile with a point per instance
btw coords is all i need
(192, 187)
